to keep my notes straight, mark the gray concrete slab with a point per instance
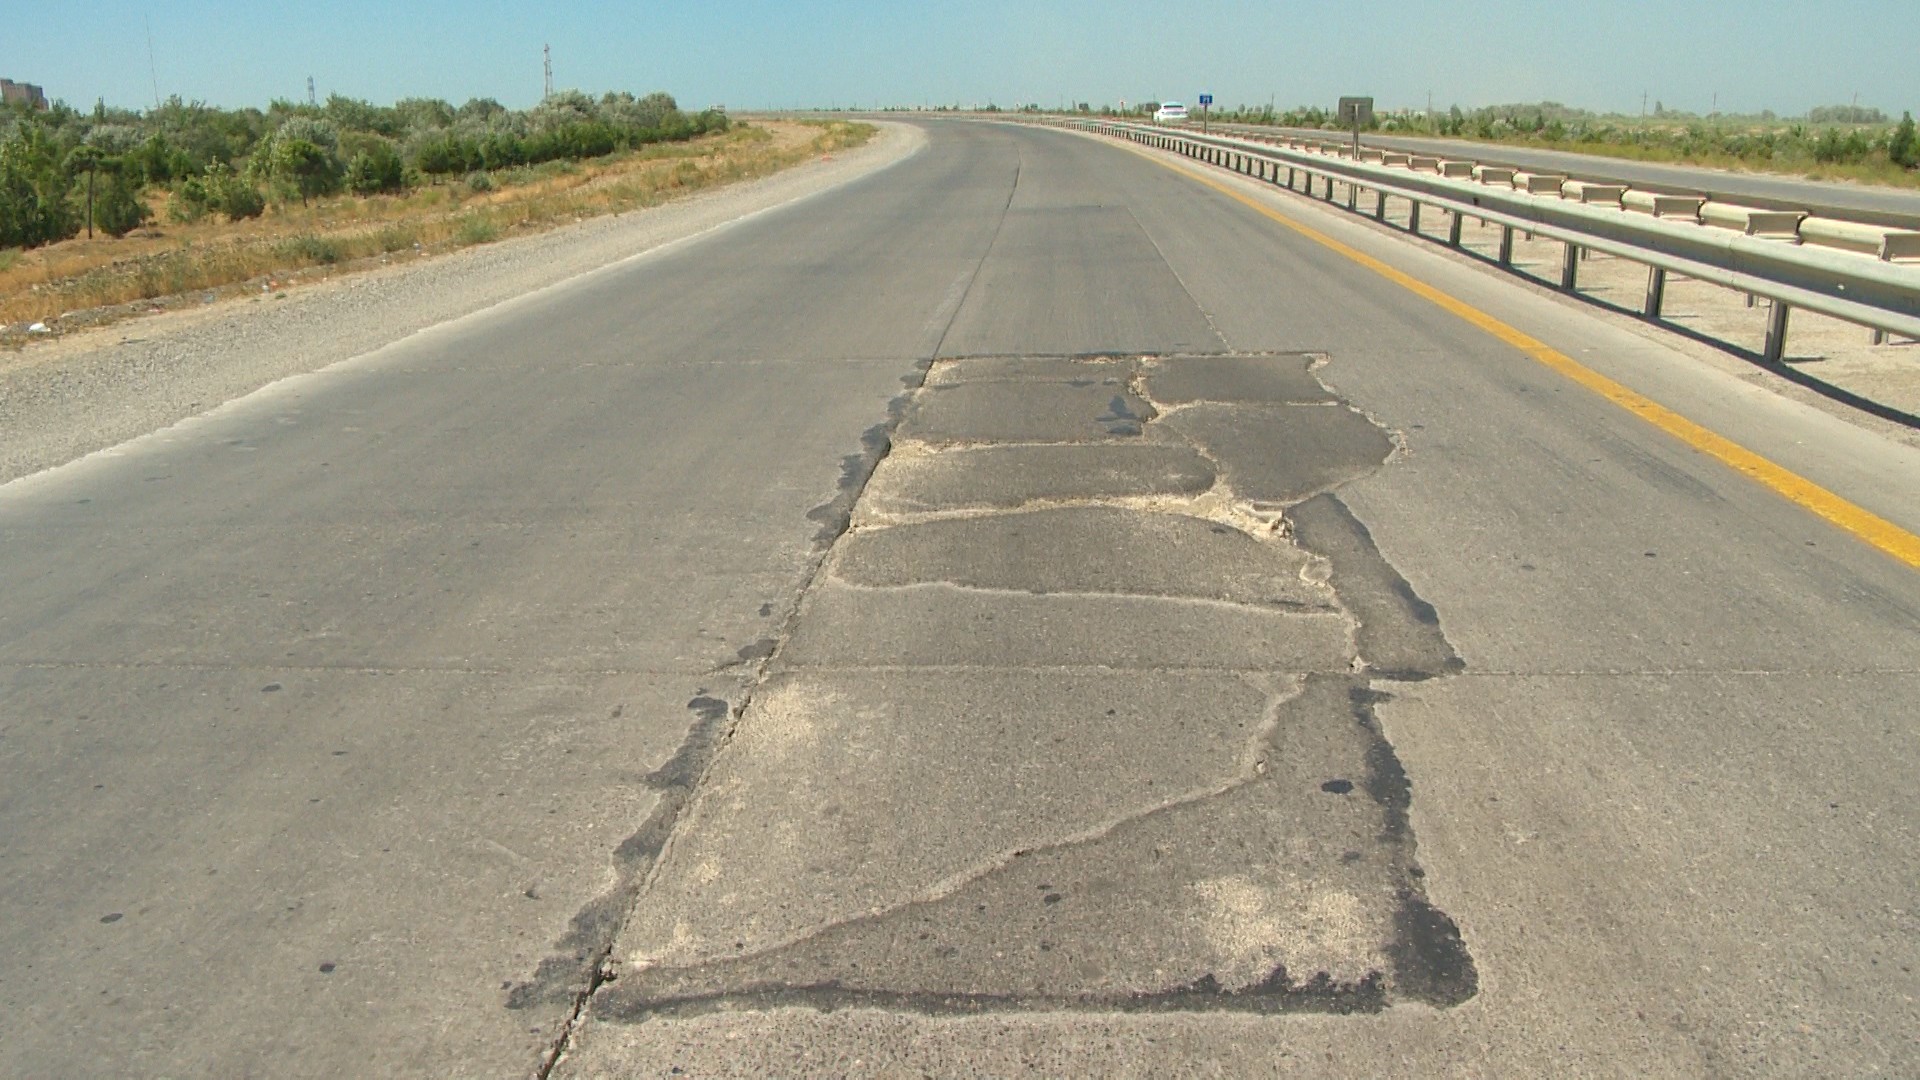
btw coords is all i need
(1272, 892)
(1084, 549)
(1029, 298)
(1025, 412)
(250, 862)
(842, 793)
(1260, 380)
(1283, 454)
(931, 625)
(1013, 476)
(1076, 370)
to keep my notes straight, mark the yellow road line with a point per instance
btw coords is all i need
(1862, 523)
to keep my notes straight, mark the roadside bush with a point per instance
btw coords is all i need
(479, 183)
(1903, 147)
(311, 249)
(118, 208)
(189, 202)
(376, 169)
(475, 229)
(34, 208)
(231, 194)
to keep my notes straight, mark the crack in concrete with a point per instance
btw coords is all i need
(1250, 771)
(1276, 607)
(1428, 960)
(1425, 956)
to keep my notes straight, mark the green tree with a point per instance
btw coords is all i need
(119, 209)
(303, 167)
(231, 194)
(376, 169)
(1904, 147)
(34, 208)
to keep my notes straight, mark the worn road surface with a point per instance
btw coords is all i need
(1023, 611)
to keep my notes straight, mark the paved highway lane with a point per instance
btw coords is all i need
(327, 715)
(1234, 664)
(1677, 727)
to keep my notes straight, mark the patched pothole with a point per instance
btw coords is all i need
(1079, 716)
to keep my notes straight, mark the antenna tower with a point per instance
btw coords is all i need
(546, 56)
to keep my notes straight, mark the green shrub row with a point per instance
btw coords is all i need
(61, 166)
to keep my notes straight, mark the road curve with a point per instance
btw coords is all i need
(1021, 611)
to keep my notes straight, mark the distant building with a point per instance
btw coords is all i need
(23, 94)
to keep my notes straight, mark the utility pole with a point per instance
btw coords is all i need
(1643, 103)
(152, 68)
(311, 100)
(546, 55)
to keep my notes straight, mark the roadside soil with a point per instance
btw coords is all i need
(90, 281)
(110, 376)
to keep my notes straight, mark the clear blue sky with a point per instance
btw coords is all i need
(1786, 55)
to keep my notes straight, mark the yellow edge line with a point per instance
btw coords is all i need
(1862, 523)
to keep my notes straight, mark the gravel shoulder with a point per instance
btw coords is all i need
(64, 399)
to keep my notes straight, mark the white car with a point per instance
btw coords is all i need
(1169, 112)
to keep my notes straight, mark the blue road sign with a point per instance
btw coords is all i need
(1206, 99)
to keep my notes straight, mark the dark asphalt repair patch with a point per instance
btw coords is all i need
(571, 972)
(1292, 886)
(1399, 633)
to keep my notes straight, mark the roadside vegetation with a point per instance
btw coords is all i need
(191, 199)
(1834, 142)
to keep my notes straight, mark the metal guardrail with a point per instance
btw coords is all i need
(1853, 287)
(1595, 169)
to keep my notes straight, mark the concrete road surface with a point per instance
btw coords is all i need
(1025, 611)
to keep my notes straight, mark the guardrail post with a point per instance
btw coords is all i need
(1353, 195)
(1413, 216)
(1570, 267)
(1656, 291)
(1879, 337)
(1506, 245)
(1379, 206)
(1776, 332)
(1453, 228)
(1290, 184)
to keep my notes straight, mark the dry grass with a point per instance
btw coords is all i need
(1673, 148)
(209, 257)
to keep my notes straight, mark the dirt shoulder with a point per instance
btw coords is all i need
(84, 391)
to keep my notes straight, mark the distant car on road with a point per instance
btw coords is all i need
(1169, 112)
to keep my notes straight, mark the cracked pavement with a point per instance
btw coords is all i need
(1068, 725)
(1019, 613)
